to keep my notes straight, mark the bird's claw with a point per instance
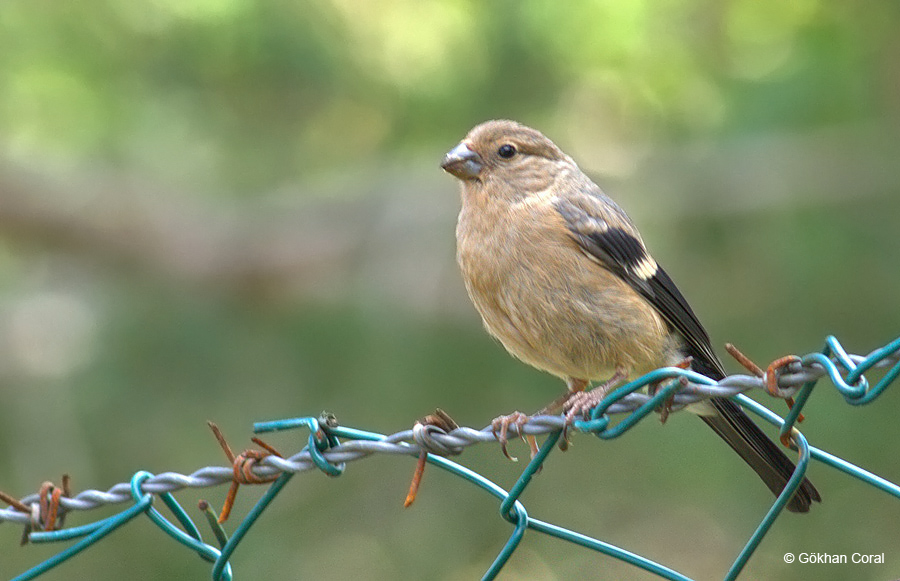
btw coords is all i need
(665, 408)
(500, 429)
(580, 404)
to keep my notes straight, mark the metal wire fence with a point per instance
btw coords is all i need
(330, 447)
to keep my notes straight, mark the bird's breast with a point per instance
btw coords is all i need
(547, 303)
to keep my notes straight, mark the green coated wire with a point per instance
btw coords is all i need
(855, 471)
(213, 521)
(315, 450)
(640, 413)
(108, 525)
(821, 455)
(515, 513)
(843, 371)
(521, 516)
(222, 566)
(856, 373)
(562, 533)
(606, 549)
(189, 527)
(524, 480)
(873, 358)
(790, 488)
(208, 552)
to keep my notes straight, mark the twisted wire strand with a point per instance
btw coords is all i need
(790, 379)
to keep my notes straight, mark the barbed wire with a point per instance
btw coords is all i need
(788, 377)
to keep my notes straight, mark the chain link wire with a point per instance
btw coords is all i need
(331, 446)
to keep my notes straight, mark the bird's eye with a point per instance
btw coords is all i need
(506, 151)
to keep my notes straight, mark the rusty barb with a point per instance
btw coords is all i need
(243, 465)
(770, 375)
(440, 420)
(45, 514)
(436, 437)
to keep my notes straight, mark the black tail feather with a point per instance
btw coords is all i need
(756, 449)
(759, 452)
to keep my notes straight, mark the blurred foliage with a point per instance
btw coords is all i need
(247, 95)
(755, 142)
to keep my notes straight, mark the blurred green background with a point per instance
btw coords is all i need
(232, 210)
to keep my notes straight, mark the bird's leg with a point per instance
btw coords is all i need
(666, 406)
(500, 425)
(683, 364)
(580, 403)
(574, 385)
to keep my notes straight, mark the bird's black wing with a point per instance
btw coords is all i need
(606, 235)
(611, 242)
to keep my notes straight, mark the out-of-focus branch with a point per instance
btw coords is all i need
(400, 242)
(115, 221)
(245, 247)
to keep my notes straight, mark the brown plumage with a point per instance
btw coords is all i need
(561, 277)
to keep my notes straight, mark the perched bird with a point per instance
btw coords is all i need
(561, 277)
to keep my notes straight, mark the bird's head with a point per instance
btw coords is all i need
(502, 153)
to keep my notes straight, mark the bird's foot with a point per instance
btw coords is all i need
(666, 407)
(580, 403)
(500, 429)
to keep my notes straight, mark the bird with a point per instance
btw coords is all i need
(562, 278)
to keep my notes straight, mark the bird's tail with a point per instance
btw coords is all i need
(756, 449)
(729, 421)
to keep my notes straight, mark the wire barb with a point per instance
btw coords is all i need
(242, 465)
(441, 421)
(771, 375)
(676, 388)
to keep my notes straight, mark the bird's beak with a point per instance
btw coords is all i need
(462, 162)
